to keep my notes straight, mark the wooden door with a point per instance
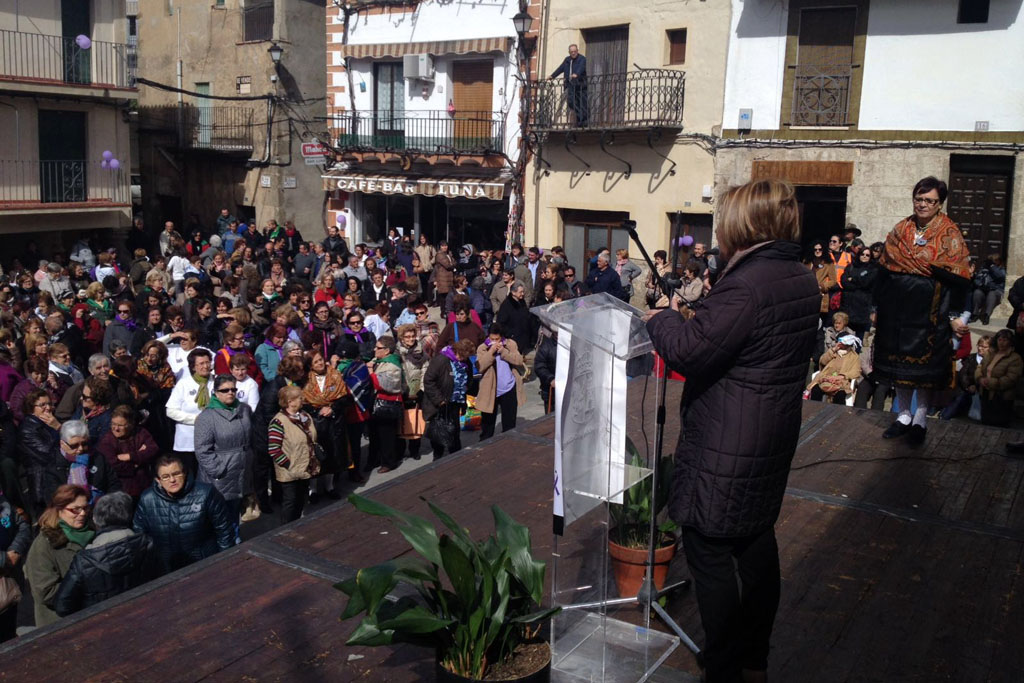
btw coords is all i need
(607, 63)
(76, 20)
(472, 95)
(979, 201)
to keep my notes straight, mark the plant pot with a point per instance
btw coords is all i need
(629, 565)
(542, 675)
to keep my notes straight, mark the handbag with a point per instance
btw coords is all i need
(384, 409)
(413, 425)
(443, 429)
(10, 593)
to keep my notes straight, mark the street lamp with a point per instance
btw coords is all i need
(275, 51)
(522, 21)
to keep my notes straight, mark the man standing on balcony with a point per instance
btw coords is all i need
(574, 70)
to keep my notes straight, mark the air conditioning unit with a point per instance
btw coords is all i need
(418, 67)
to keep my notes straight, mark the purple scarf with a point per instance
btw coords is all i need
(450, 354)
(129, 324)
(358, 335)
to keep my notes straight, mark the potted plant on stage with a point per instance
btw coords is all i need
(631, 527)
(479, 602)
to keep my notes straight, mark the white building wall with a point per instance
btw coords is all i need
(756, 63)
(457, 20)
(922, 70)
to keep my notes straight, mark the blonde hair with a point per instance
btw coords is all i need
(840, 316)
(286, 394)
(93, 290)
(622, 253)
(757, 212)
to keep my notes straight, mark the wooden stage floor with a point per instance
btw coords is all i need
(897, 565)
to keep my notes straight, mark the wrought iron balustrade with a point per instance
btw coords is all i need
(223, 129)
(437, 132)
(650, 98)
(40, 57)
(70, 181)
(821, 94)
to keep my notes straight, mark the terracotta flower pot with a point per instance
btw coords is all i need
(629, 565)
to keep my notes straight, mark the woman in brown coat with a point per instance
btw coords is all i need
(501, 382)
(997, 376)
(840, 366)
(444, 273)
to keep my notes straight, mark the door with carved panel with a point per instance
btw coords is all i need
(979, 201)
(473, 97)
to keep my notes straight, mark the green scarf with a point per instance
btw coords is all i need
(392, 358)
(80, 536)
(203, 397)
(216, 403)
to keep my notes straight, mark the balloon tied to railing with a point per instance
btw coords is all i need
(109, 161)
(83, 41)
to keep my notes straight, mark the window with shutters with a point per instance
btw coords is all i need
(824, 66)
(677, 46)
(972, 12)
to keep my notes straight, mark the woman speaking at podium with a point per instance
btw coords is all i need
(744, 354)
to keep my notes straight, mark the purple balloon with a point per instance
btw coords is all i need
(104, 164)
(107, 155)
(341, 220)
(686, 240)
(83, 42)
(114, 164)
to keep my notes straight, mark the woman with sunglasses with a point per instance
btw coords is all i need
(223, 440)
(63, 532)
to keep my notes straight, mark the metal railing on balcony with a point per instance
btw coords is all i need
(40, 57)
(650, 98)
(821, 94)
(422, 131)
(26, 183)
(219, 129)
(258, 22)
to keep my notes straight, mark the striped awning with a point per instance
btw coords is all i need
(428, 186)
(433, 47)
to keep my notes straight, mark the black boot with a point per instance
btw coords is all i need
(895, 430)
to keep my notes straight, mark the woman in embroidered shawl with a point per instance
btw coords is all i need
(322, 398)
(924, 273)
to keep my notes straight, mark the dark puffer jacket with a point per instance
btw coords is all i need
(99, 474)
(187, 528)
(745, 357)
(117, 560)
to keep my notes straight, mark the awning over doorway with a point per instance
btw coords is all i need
(434, 186)
(433, 47)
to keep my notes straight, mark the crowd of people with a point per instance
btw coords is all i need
(152, 403)
(982, 379)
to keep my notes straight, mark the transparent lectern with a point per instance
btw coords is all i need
(599, 635)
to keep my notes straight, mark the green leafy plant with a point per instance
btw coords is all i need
(631, 519)
(478, 601)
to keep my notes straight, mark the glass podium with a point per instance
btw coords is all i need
(599, 635)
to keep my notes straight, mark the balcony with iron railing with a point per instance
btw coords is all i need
(821, 94)
(65, 184)
(433, 132)
(214, 129)
(633, 100)
(40, 58)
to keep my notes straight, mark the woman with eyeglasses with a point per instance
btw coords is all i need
(825, 272)
(74, 461)
(355, 331)
(63, 532)
(922, 287)
(37, 439)
(323, 330)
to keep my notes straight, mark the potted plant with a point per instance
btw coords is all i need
(479, 602)
(631, 525)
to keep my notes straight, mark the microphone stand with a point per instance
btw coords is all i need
(649, 595)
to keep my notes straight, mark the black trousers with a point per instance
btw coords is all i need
(737, 584)
(293, 499)
(384, 443)
(508, 404)
(355, 445)
(869, 389)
